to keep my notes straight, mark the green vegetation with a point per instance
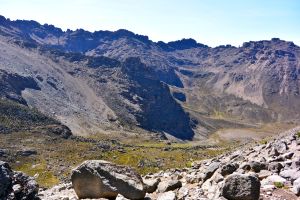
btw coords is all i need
(218, 114)
(263, 141)
(57, 156)
(44, 177)
(278, 184)
(298, 134)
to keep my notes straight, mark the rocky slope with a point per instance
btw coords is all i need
(256, 171)
(83, 82)
(89, 94)
(18, 118)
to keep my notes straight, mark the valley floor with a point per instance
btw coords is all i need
(49, 158)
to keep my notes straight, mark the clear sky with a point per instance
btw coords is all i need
(212, 22)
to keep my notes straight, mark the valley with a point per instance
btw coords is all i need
(71, 96)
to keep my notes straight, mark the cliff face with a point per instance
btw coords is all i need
(159, 110)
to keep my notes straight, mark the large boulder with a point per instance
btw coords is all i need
(101, 179)
(241, 187)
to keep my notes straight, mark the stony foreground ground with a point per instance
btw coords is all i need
(262, 171)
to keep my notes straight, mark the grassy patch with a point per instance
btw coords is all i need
(278, 184)
(56, 157)
(264, 141)
(44, 177)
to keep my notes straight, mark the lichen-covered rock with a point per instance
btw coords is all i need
(241, 187)
(102, 179)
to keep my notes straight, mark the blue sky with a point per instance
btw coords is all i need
(212, 22)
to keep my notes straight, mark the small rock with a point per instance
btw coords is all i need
(296, 187)
(151, 184)
(27, 152)
(211, 170)
(264, 174)
(273, 179)
(278, 148)
(288, 155)
(257, 166)
(3, 152)
(275, 167)
(165, 186)
(229, 169)
(167, 196)
(245, 166)
(17, 188)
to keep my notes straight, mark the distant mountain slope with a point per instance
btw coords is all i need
(91, 94)
(87, 80)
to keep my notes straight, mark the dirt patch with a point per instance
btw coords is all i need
(249, 134)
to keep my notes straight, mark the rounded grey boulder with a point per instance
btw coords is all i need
(101, 179)
(241, 187)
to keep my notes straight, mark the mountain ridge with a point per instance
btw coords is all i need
(219, 87)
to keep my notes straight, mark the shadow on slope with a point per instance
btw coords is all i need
(159, 110)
